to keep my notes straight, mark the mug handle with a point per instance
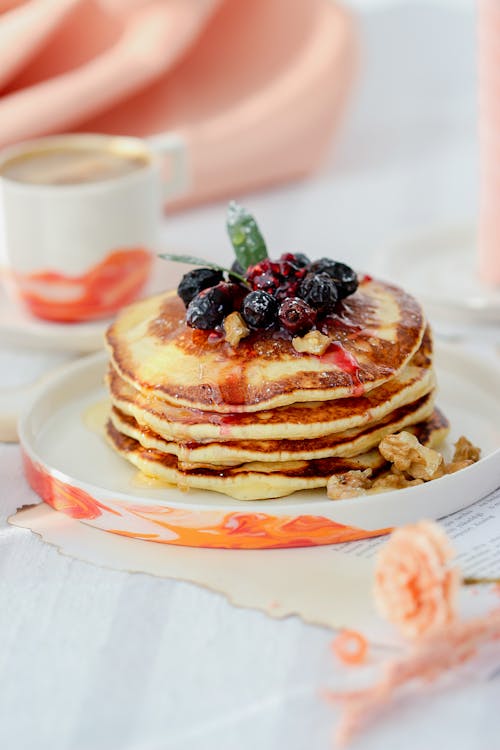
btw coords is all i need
(171, 147)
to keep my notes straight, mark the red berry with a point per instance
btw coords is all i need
(296, 315)
(299, 260)
(262, 277)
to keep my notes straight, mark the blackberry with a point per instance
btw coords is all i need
(209, 308)
(193, 282)
(296, 315)
(343, 276)
(260, 310)
(319, 291)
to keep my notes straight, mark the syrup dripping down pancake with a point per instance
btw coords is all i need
(375, 334)
(258, 480)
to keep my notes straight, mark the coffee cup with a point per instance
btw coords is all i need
(79, 219)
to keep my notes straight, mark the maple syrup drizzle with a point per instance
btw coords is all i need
(353, 323)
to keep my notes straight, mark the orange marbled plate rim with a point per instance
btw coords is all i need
(187, 527)
(73, 470)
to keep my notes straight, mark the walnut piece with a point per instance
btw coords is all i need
(235, 328)
(466, 451)
(454, 466)
(409, 456)
(411, 464)
(313, 342)
(351, 484)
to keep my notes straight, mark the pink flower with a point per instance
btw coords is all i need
(415, 588)
(426, 660)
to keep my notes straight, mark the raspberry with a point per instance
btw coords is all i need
(278, 278)
(262, 277)
(298, 259)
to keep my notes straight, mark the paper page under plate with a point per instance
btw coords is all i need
(329, 586)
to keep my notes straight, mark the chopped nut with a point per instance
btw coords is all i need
(399, 449)
(235, 328)
(454, 466)
(410, 456)
(426, 465)
(466, 451)
(351, 484)
(440, 472)
(313, 342)
(392, 481)
(411, 464)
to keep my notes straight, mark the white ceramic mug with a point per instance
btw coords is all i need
(81, 251)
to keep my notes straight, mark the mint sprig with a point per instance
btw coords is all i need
(193, 261)
(248, 242)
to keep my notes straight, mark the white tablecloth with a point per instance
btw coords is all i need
(92, 659)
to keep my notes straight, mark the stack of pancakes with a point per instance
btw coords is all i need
(261, 420)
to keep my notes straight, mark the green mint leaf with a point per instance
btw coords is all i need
(245, 236)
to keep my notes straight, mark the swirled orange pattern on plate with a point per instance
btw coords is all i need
(190, 528)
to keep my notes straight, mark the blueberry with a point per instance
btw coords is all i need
(235, 291)
(237, 268)
(319, 291)
(344, 277)
(301, 260)
(193, 282)
(260, 310)
(209, 308)
(296, 315)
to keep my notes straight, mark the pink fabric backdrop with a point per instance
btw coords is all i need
(255, 88)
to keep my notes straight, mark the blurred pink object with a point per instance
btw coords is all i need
(254, 89)
(489, 135)
(415, 587)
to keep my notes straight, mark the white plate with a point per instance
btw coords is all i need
(440, 269)
(75, 470)
(20, 329)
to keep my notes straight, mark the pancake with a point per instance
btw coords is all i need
(343, 444)
(296, 421)
(375, 333)
(258, 480)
